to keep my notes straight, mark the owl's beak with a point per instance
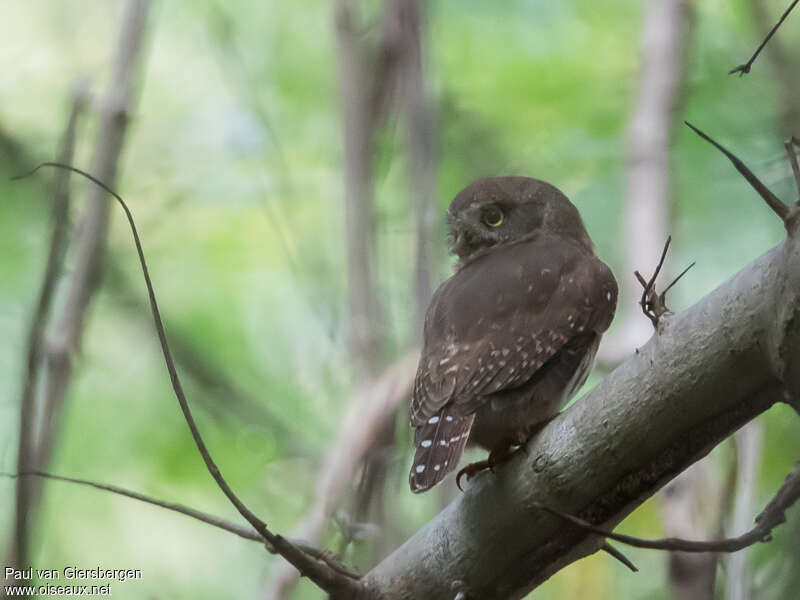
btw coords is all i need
(460, 243)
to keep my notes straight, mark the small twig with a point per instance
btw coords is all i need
(648, 289)
(676, 280)
(326, 578)
(773, 515)
(247, 533)
(653, 304)
(790, 150)
(745, 68)
(609, 549)
(775, 203)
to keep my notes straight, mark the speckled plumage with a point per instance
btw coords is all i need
(511, 336)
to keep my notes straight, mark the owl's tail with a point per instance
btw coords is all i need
(439, 443)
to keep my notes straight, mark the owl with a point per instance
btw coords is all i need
(512, 334)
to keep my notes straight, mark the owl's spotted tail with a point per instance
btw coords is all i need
(439, 443)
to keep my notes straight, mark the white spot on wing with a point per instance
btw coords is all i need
(448, 418)
(420, 468)
(437, 467)
(433, 420)
(426, 443)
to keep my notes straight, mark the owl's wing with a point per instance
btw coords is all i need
(490, 328)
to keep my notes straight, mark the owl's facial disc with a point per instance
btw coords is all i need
(478, 226)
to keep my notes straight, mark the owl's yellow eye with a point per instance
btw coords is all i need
(493, 216)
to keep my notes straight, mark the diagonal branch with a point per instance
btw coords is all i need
(745, 68)
(775, 203)
(773, 515)
(326, 578)
(247, 533)
(737, 349)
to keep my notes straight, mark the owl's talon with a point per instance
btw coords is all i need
(471, 470)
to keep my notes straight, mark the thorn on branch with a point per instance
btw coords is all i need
(609, 549)
(745, 68)
(778, 207)
(654, 304)
(773, 515)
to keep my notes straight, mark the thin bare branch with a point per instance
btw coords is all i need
(247, 533)
(615, 552)
(745, 68)
(648, 289)
(773, 515)
(775, 203)
(653, 304)
(321, 574)
(677, 279)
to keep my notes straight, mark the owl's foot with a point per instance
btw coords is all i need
(496, 458)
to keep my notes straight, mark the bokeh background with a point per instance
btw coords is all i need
(234, 165)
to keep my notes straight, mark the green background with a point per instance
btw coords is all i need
(233, 169)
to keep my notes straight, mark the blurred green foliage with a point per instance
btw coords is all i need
(233, 168)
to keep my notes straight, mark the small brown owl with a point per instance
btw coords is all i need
(512, 335)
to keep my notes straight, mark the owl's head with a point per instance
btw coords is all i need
(502, 210)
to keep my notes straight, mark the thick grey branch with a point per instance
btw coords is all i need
(710, 370)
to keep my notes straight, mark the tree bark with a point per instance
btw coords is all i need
(704, 374)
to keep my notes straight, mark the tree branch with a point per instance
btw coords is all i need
(737, 349)
(247, 533)
(326, 578)
(775, 203)
(773, 515)
(745, 68)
